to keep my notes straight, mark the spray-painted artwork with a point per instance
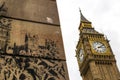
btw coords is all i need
(25, 68)
(30, 39)
(31, 51)
(31, 46)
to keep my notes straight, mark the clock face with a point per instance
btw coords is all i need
(81, 55)
(99, 47)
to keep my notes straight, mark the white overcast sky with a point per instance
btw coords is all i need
(105, 18)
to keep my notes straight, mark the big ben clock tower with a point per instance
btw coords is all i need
(94, 54)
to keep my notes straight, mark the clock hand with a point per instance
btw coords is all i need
(100, 46)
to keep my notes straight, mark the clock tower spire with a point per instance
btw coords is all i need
(94, 55)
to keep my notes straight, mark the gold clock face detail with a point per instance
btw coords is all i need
(99, 47)
(81, 55)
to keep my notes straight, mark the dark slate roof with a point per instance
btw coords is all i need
(83, 18)
(35, 10)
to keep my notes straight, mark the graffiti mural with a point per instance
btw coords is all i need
(3, 8)
(21, 38)
(22, 68)
(5, 28)
(31, 46)
(31, 53)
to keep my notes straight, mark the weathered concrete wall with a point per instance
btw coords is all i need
(34, 10)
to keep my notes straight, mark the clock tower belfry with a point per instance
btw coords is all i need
(94, 55)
